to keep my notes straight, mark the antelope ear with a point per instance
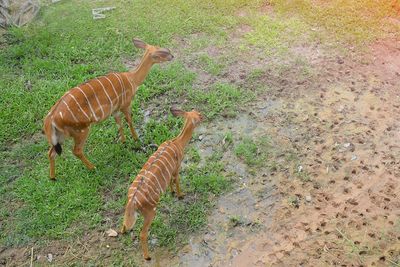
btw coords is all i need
(139, 43)
(177, 112)
(160, 54)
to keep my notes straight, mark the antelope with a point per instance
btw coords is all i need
(160, 170)
(96, 100)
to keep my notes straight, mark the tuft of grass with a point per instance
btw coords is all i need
(221, 100)
(254, 153)
(227, 140)
(193, 155)
(210, 65)
(294, 201)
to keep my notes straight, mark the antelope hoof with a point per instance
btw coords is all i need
(181, 196)
(147, 258)
(53, 178)
(91, 167)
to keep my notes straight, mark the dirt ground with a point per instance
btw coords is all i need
(337, 204)
(343, 124)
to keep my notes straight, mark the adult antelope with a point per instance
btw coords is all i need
(94, 101)
(160, 170)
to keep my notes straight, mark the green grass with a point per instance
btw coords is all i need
(63, 47)
(254, 152)
(273, 34)
(357, 22)
(210, 65)
(221, 99)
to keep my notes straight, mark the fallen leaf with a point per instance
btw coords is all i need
(111, 233)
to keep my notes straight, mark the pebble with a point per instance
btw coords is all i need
(354, 157)
(346, 145)
(308, 198)
(300, 168)
(49, 257)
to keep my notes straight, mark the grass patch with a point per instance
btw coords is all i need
(210, 65)
(356, 22)
(221, 100)
(65, 47)
(274, 34)
(254, 153)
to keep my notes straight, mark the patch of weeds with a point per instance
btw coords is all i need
(254, 153)
(227, 140)
(305, 69)
(255, 75)
(303, 176)
(235, 221)
(193, 155)
(210, 65)
(353, 248)
(220, 100)
(294, 201)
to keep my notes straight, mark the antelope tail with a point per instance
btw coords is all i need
(130, 216)
(53, 135)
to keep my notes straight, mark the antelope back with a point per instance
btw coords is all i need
(93, 101)
(155, 176)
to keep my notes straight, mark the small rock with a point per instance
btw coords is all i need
(111, 233)
(346, 145)
(300, 168)
(354, 157)
(340, 61)
(308, 198)
(200, 137)
(208, 237)
(234, 252)
(154, 241)
(222, 210)
(49, 257)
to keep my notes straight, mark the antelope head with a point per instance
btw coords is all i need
(157, 54)
(193, 116)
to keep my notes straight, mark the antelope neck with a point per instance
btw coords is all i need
(138, 75)
(186, 134)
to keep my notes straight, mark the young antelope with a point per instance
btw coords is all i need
(160, 170)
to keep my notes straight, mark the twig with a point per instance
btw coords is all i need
(345, 237)
(31, 257)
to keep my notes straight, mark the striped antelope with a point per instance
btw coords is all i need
(160, 170)
(94, 101)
